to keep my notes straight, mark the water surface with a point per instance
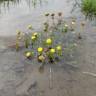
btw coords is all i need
(17, 14)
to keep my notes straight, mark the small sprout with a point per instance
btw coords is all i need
(29, 27)
(40, 50)
(49, 41)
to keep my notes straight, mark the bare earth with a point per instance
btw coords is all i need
(19, 77)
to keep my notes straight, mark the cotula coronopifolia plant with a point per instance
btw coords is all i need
(59, 50)
(18, 37)
(34, 38)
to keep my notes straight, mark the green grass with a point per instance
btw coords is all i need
(88, 8)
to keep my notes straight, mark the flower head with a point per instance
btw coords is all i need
(52, 51)
(58, 48)
(33, 38)
(40, 49)
(49, 41)
(41, 58)
(28, 54)
(35, 34)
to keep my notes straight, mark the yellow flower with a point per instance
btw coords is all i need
(49, 41)
(33, 38)
(52, 51)
(41, 58)
(35, 34)
(29, 27)
(40, 49)
(28, 54)
(59, 48)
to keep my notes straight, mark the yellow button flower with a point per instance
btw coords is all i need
(52, 51)
(41, 58)
(40, 49)
(35, 34)
(33, 38)
(28, 54)
(59, 48)
(49, 41)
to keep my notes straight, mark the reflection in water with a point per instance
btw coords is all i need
(6, 4)
(17, 14)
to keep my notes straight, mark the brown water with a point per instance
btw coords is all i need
(17, 15)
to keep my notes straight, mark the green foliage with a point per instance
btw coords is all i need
(88, 8)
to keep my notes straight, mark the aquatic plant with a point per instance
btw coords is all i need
(59, 50)
(46, 49)
(40, 50)
(48, 42)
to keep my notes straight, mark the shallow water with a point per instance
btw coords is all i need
(17, 14)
